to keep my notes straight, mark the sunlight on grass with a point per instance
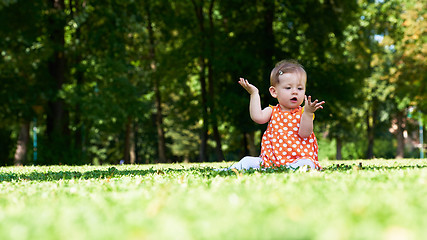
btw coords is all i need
(375, 199)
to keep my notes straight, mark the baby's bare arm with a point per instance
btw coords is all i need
(306, 124)
(258, 115)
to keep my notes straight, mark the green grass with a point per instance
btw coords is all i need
(383, 199)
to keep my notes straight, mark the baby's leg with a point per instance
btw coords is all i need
(247, 163)
(302, 162)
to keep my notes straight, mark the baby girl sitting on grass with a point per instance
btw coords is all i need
(289, 139)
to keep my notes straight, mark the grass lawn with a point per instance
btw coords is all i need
(382, 199)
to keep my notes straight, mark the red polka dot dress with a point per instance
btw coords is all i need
(281, 144)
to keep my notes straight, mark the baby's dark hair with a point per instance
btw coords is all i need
(286, 66)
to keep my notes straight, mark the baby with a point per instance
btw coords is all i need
(289, 139)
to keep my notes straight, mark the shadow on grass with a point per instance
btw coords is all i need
(360, 166)
(112, 172)
(208, 172)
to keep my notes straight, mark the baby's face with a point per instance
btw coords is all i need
(290, 91)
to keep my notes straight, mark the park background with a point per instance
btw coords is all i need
(100, 82)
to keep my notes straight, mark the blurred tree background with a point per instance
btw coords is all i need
(149, 81)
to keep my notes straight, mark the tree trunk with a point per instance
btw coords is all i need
(57, 116)
(370, 150)
(128, 140)
(245, 144)
(161, 142)
(132, 148)
(399, 134)
(204, 133)
(202, 78)
(213, 112)
(79, 76)
(21, 145)
(267, 48)
(136, 146)
(339, 148)
(218, 149)
(370, 123)
(251, 144)
(132, 155)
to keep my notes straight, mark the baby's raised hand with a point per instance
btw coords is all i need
(249, 87)
(310, 106)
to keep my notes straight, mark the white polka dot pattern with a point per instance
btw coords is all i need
(281, 144)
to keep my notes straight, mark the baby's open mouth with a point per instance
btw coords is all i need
(294, 99)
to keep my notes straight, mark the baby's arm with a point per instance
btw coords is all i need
(306, 124)
(258, 115)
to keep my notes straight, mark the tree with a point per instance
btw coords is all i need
(21, 64)
(396, 63)
(154, 81)
(57, 121)
(320, 41)
(158, 98)
(404, 59)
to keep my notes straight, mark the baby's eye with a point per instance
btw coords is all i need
(300, 88)
(287, 87)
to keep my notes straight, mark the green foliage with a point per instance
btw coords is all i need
(184, 201)
(113, 64)
(384, 148)
(327, 148)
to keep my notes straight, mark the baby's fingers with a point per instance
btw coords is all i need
(309, 102)
(319, 104)
(314, 103)
(243, 82)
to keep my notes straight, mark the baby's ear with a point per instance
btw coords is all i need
(273, 91)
